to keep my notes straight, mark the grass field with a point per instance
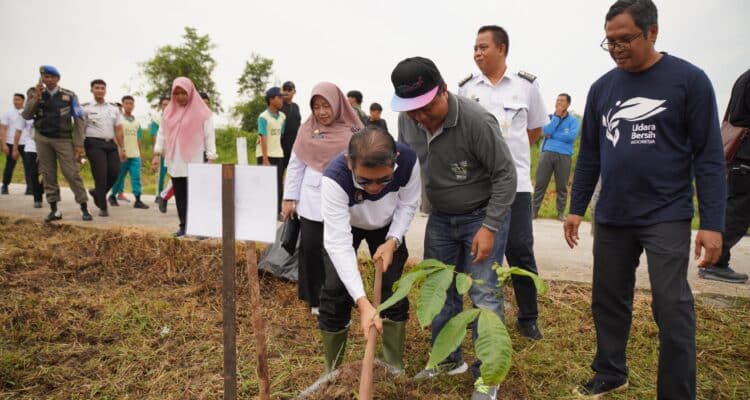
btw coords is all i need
(83, 314)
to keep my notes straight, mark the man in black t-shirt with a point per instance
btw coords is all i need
(293, 120)
(374, 119)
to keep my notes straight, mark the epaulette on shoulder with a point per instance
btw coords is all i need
(86, 104)
(67, 91)
(525, 75)
(463, 81)
(113, 104)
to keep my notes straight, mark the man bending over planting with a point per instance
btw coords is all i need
(371, 193)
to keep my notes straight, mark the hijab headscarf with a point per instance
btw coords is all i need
(185, 123)
(317, 144)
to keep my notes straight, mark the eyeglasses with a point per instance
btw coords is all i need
(624, 43)
(367, 182)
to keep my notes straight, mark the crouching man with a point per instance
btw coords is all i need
(371, 193)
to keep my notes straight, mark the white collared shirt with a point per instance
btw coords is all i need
(518, 106)
(10, 120)
(101, 120)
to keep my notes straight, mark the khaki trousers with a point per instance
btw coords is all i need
(50, 151)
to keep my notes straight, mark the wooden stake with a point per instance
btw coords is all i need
(264, 386)
(228, 287)
(365, 379)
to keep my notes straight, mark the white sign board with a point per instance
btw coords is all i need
(254, 201)
(241, 151)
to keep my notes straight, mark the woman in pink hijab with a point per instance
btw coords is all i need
(319, 140)
(186, 132)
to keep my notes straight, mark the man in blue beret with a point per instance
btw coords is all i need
(58, 120)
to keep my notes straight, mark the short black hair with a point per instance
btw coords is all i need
(19, 95)
(288, 85)
(644, 13)
(161, 99)
(356, 95)
(567, 96)
(372, 147)
(127, 97)
(98, 82)
(376, 107)
(204, 95)
(499, 35)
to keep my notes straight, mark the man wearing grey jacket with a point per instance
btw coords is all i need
(470, 181)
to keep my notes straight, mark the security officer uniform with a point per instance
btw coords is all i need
(57, 137)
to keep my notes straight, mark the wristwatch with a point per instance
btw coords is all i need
(395, 239)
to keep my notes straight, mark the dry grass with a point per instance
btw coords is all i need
(82, 311)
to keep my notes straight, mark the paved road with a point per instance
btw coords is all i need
(555, 260)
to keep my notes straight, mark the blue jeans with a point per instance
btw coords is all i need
(132, 165)
(448, 238)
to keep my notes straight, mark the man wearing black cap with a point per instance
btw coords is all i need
(54, 111)
(270, 131)
(470, 181)
(292, 122)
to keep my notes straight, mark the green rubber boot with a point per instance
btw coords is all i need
(334, 344)
(394, 335)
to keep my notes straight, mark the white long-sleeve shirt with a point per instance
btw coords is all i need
(341, 211)
(177, 167)
(302, 184)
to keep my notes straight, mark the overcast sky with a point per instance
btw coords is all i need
(352, 43)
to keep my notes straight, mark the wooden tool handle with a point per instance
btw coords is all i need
(365, 379)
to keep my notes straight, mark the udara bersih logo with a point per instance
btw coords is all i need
(633, 110)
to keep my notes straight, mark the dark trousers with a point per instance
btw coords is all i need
(335, 302)
(616, 254)
(311, 273)
(559, 165)
(10, 164)
(32, 175)
(738, 210)
(180, 186)
(519, 252)
(105, 167)
(278, 162)
(287, 156)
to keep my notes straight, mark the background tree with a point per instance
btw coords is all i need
(191, 59)
(252, 85)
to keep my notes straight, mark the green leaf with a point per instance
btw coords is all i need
(541, 287)
(450, 336)
(404, 285)
(493, 347)
(429, 263)
(463, 283)
(432, 295)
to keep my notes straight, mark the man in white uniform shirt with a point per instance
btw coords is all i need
(12, 148)
(372, 193)
(516, 101)
(104, 143)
